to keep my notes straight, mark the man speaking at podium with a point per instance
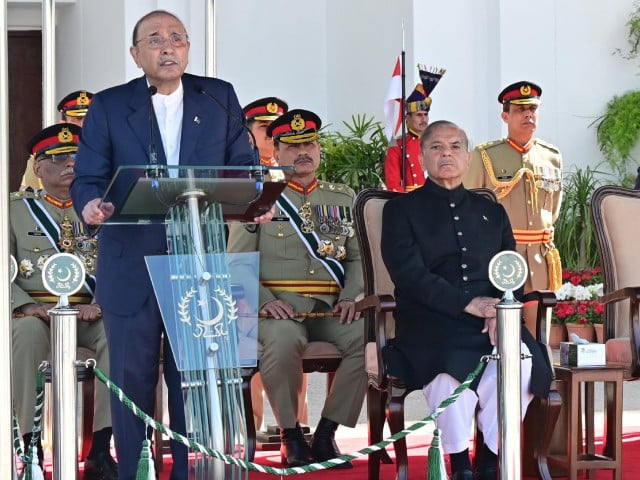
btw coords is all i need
(187, 120)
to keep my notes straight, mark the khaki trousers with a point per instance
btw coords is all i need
(31, 344)
(283, 343)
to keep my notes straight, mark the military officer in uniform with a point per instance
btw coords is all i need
(259, 114)
(43, 223)
(417, 107)
(526, 175)
(73, 108)
(309, 262)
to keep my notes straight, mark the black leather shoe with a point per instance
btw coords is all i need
(294, 449)
(323, 444)
(100, 467)
(462, 475)
(490, 473)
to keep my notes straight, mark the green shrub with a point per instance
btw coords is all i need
(574, 235)
(618, 131)
(357, 157)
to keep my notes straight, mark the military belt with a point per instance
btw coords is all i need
(46, 297)
(303, 287)
(533, 236)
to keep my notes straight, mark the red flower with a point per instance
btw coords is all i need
(566, 274)
(582, 321)
(583, 308)
(598, 308)
(576, 279)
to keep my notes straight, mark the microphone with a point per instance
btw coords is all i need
(258, 173)
(153, 172)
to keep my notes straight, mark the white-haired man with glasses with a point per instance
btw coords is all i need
(43, 223)
(189, 128)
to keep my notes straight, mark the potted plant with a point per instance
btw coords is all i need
(577, 306)
(573, 231)
(355, 158)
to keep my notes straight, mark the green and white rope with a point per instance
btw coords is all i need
(31, 449)
(150, 421)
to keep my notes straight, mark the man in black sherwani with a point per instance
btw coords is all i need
(437, 242)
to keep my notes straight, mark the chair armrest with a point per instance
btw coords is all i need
(381, 303)
(633, 295)
(375, 308)
(546, 299)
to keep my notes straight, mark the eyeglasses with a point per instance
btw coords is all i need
(156, 42)
(58, 159)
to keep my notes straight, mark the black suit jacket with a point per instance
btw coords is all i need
(437, 245)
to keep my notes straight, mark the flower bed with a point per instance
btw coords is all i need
(577, 298)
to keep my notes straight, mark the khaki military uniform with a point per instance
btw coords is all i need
(289, 272)
(31, 342)
(529, 186)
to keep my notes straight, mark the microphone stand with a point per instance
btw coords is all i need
(153, 172)
(258, 172)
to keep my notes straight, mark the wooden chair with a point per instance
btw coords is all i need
(615, 212)
(385, 393)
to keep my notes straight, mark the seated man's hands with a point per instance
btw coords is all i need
(86, 312)
(347, 311)
(485, 307)
(277, 309)
(89, 312)
(38, 310)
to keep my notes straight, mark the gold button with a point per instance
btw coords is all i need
(311, 272)
(530, 223)
(280, 234)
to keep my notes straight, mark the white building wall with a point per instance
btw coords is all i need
(335, 56)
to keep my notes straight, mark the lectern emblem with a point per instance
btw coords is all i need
(63, 274)
(508, 271)
(214, 326)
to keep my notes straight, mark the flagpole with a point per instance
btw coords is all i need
(403, 145)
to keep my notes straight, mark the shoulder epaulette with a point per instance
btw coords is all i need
(490, 144)
(547, 145)
(335, 187)
(27, 193)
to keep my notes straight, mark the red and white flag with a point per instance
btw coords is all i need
(393, 103)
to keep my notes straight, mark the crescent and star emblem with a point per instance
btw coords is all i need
(66, 277)
(217, 318)
(212, 327)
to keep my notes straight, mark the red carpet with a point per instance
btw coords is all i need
(418, 447)
(418, 462)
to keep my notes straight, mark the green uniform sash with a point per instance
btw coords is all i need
(311, 240)
(52, 230)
